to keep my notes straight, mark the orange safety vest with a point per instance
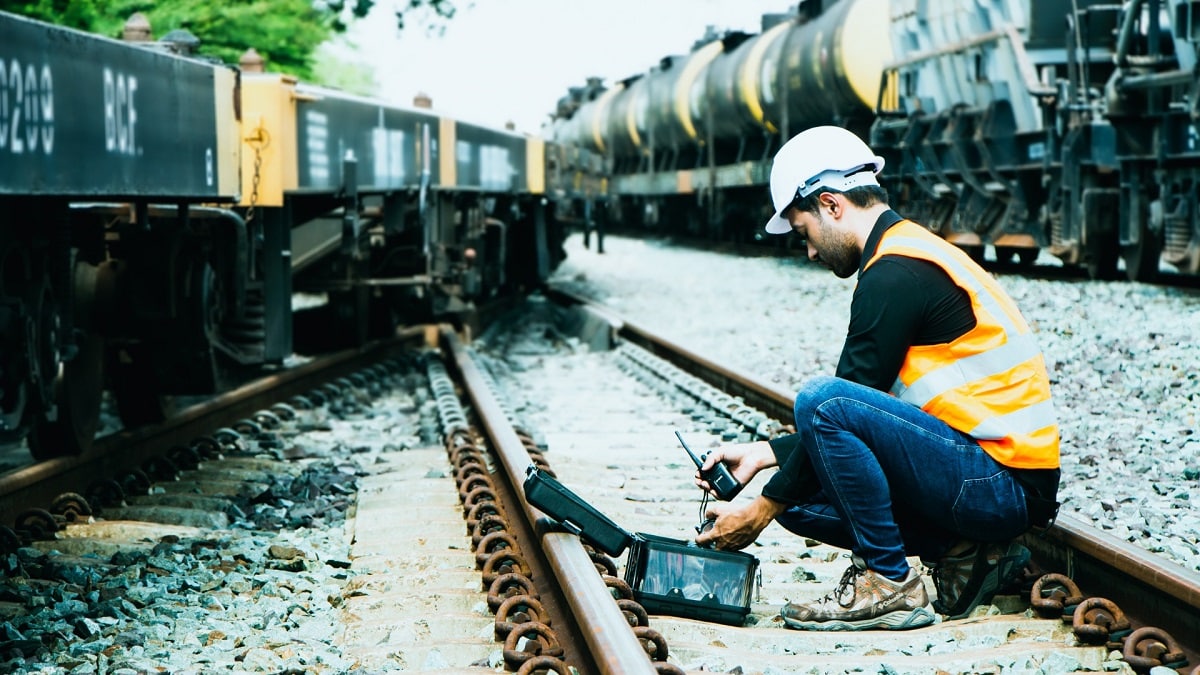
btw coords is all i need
(990, 383)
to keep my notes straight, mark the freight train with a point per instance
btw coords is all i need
(161, 213)
(1017, 126)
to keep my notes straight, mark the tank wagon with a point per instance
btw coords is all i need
(686, 145)
(1009, 125)
(161, 212)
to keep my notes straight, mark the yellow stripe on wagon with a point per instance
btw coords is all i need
(748, 81)
(268, 138)
(535, 164)
(227, 166)
(600, 116)
(683, 87)
(447, 152)
(864, 45)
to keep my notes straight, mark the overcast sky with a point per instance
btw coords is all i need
(500, 60)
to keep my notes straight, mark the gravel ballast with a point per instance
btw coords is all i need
(1123, 360)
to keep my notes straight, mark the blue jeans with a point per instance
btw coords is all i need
(895, 480)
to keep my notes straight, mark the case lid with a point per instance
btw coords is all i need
(575, 515)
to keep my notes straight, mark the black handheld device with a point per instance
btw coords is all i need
(723, 483)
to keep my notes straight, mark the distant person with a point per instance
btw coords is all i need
(593, 223)
(937, 438)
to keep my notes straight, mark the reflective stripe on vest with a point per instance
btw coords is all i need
(1022, 421)
(1018, 349)
(991, 382)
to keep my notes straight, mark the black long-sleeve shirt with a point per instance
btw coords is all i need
(899, 302)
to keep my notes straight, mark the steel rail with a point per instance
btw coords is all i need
(121, 452)
(1149, 588)
(612, 645)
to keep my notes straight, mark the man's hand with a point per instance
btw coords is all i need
(743, 460)
(737, 528)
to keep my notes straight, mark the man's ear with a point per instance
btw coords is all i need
(830, 202)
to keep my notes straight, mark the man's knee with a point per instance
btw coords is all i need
(816, 391)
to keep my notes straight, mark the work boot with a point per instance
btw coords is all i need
(865, 599)
(972, 577)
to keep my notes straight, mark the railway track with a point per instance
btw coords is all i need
(1160, 591)
(442, 564)
(122, 452)
(1137, 587)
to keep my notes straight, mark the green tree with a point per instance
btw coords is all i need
(442, 10)
(339, 69)
(287, 33)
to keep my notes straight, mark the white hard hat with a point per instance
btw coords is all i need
(820, 157)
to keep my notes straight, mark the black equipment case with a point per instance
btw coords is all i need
(668, 576)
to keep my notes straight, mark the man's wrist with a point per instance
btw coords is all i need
(767, 509)
(764, 457)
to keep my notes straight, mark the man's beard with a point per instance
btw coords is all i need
(839, 251)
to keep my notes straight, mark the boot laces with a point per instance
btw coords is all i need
(846, 586)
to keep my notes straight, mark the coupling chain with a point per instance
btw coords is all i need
(259, 142)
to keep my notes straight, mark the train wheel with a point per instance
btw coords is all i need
(78, 389)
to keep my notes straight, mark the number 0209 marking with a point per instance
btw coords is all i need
(26, 108)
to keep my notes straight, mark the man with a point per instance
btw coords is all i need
(937, 438)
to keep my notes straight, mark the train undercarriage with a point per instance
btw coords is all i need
(153, 302)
